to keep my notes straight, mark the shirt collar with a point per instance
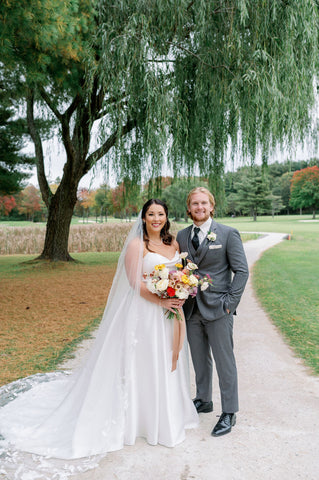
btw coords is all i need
(205, 226)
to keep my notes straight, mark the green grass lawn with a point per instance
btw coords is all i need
(280, 223)
(81, 221)
(20, 223)
(286, 280)
(75, 221)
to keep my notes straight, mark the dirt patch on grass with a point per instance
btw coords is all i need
(44, 310)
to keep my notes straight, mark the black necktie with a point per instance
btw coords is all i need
(195, 239)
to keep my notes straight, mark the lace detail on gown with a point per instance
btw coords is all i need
(19, 465)
(82, 415)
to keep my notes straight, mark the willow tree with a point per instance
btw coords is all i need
(165, 81)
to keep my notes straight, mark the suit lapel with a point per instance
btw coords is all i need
(186, 240)
(191, 250)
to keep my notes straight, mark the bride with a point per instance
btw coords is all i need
(134, 382)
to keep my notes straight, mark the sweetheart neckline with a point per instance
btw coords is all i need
(155, 253)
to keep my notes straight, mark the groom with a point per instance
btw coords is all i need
(217, 250)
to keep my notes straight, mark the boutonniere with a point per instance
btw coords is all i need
(211, 236)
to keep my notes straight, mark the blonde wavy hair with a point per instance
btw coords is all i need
(200, 190)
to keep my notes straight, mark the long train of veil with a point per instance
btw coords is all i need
(59, 414)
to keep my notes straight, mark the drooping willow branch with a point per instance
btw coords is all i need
(179, 46)
(108, 144)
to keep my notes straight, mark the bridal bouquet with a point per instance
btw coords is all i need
(181, 282)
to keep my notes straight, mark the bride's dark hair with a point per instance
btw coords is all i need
(164, 234)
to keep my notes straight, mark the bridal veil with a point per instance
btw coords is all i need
(60, 415)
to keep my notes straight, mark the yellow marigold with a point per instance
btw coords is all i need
(185, 279)
(178, 265)
(159, 267)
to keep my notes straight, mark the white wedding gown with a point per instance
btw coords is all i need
(124, 390)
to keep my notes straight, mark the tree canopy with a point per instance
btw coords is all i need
(202, 75)
(252, 192)
(12, 139)
(175, 82)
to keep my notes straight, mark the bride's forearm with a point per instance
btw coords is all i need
(151, 297)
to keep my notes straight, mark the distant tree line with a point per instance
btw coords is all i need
(255, 190)
(278, 188)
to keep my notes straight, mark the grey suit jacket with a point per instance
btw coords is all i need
(225, 261)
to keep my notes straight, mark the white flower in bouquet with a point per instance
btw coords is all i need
(191, 266)
(164, 273)
(183, 255)
(162, 285)
(182, 293)
(193, 281)
(204, 286)
(151, 285)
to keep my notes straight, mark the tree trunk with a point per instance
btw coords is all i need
(58, 226)
(314, 213)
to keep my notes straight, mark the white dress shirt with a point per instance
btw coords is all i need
(204, 229)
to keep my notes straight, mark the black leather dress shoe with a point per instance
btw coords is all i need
(224, 424)
(203, 407)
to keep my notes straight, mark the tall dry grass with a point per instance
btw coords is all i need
(24, 240)
(106, 237)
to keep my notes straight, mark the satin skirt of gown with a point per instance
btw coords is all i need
(97, 409)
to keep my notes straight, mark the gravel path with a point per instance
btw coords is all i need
(277, 431)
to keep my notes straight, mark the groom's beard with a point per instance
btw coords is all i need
(201, 218)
